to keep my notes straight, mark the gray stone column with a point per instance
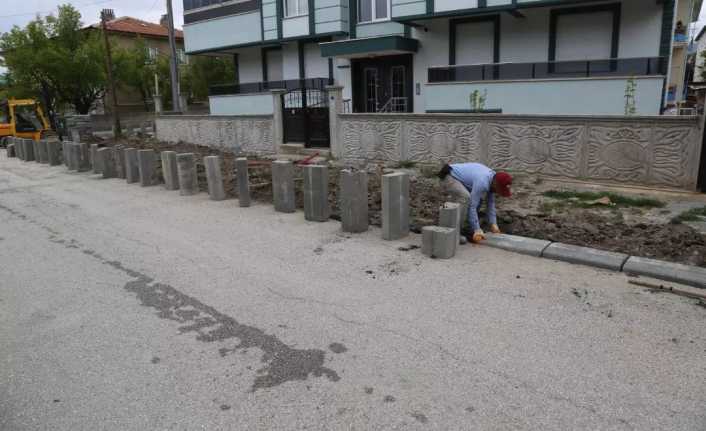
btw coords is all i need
(214, 176)
(316, 204)
(35, 145)
(53, 153)
(335, 107)
(132, 169)
(241, 172)
(18, 147)
(439, 242)
(119, 157)
(157, 104)
(75, 136)
(29, 150)
(186, 169)
(169, 170)
(146, 160)
(353, 201)
(74, 155)
(283, 192)
(104, 157)
(65, 153)
(450, 216)
(84, 162)
(277, 119)
(43, 151)
(395, 206)
(10, 150)
(96, 162)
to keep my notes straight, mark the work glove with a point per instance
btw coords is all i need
(494, 228)
(478, 236)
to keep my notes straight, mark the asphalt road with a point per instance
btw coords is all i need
(128, 308)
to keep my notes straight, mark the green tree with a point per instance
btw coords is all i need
(53, 59)
(133, 68)
(204, 71)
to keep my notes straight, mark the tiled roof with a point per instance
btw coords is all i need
(126, 24)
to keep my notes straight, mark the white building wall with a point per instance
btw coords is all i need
(250, 62)
(700, 49)
(315, 66)
(433, 51)
(290, 61)
(242, 104)
(223, 32)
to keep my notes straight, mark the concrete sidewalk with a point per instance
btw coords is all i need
(128, 308)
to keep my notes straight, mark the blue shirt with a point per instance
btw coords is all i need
(477, 178)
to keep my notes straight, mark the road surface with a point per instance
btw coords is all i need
(129, 308)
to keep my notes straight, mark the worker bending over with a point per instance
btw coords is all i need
(470, 183)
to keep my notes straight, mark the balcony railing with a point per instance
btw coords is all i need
(261, 87)
(548, 70)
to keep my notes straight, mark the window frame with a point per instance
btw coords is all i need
(300, 13)
(373, 12)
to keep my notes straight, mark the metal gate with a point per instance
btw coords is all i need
(306, 117)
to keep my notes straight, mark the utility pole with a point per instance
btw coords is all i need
(174, 71)
(105, 14)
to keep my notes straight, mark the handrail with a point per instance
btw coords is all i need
(261, 87)
(647, 66)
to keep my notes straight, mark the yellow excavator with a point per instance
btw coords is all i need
(22, 118)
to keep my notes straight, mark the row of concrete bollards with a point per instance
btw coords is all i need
(179, 173)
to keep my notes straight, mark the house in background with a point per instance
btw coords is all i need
(549, 57)
(125, 32)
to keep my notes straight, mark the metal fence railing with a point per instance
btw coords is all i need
(262, 87)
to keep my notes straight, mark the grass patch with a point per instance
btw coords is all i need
(694, 214)
(584, 199)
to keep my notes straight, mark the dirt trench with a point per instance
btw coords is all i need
(583, 227)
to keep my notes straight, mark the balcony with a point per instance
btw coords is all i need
(263, 87)
(652, 66)
(594, 87)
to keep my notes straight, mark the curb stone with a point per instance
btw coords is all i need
(668, 271)
(518, 244)
(586, 256)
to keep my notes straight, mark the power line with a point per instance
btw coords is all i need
(44, 12)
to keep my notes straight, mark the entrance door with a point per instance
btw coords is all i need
(306, 117)
(383, 84)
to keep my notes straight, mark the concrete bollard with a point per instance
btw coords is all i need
(450, 216)
(43, 151)
(354, 201)
(35, 145)
(132, 168)
(104, 156)
(96, 162)
(283, 192)
(18, 147)
(395, 206)
(241, 172)
(64, 153)
(214, 176)
(75, 136)
(316, 204)
(28, 149)
(145, 161)
(169, 170)
(53, 153)
(439, 242)
(119, 157)
(74, 155)
(11, 150)
(84, 159)
(186, 169)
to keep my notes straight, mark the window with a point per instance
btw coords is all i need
(181, 55)
(296, 8)
(373, 10)
(152, 53)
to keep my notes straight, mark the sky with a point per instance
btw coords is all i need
(20, 12)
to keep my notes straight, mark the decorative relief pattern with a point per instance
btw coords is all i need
(248, 135)
(443, 141)
(618, 153)
(551, 150)
(371, 140)
(675, 156)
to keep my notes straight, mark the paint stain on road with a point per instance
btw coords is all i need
(282, 362)
(389, 399)
(337, 348)
(419, 417)
(155, 360)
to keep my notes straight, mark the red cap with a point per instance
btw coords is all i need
(503, 181)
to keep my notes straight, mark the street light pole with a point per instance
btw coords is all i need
(173, 64)
(105, 14)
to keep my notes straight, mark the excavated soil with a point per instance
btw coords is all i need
(589, 227)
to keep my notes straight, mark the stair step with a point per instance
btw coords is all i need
(291, 148)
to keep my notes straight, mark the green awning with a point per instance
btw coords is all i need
(382, 45)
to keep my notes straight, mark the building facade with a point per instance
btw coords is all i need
(550, 57)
